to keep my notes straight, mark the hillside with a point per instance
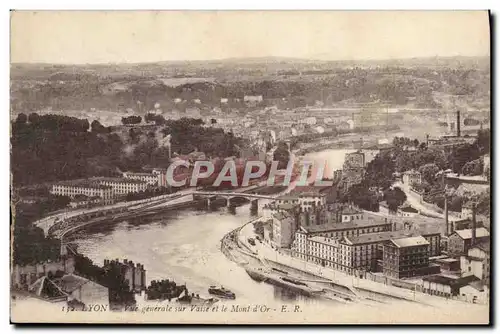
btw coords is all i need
(303, 82)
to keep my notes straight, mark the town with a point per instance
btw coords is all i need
(412, 244)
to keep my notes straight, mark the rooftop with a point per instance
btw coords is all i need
(411, 172)
(69, 283)
(351, 211)
(309, 190)
(87, 183)
(446, 260)
(281, 215)
(344, 226)
(410, 242)
(284, 206)
(451, 281)
(484, 246)
(287, 197)
(325, 240)
(140, 174)
(373, 237)
(467, 234)
(117, 180)
(408, 208)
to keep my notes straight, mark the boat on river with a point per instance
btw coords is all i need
(221, 292)
(192, 299)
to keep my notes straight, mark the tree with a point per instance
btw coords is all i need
(394, 198)
(483, 141)
(131, 120)
(21, 118)
(429, 172)
(282, 155)
(474, 167)
(97, 127)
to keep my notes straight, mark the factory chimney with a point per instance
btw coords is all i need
(458, 123)
(446, 215)
(473, 241)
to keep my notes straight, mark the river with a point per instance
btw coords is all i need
(185, 246)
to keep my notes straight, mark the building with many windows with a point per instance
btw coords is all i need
(352, 228)
(412, 177)
(307, 199)
(407, 257)
(284, 226)
(354, 252)
(477, 262)
(73, 188)
(121, 186)
(149, 178)
(461, 241)
(350, 214)
(104, 187)
(134, 274)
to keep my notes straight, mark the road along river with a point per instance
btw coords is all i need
(184, 246)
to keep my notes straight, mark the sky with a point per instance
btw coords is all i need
(81, 37)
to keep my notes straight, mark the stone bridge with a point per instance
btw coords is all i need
(229, 195)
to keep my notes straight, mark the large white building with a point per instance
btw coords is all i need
(306, 200)
(150, 179)
(284, 226)
(105, 188)
(83, 187)
(123, 186)
(477, 262)
(352, 253)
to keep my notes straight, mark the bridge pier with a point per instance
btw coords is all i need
(254, 207)
(211, 202)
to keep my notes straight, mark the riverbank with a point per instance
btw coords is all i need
(46, 223)
(364, 289)
(64, 230)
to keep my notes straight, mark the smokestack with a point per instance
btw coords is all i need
(458, 123)
(446, 214)
(473, 241)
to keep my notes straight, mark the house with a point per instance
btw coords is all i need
(477, 262)
(83, 290)
(411, 177)
(407, 211)
(461, 241)
(475, 292)
(406, 257)
(446, 286)
(26, 275)
(350, 214)
(446, 263)
(344, 126)
(252, 99)
(464, 224)
(70, 288)
(284, 226)
(134, 274)
(466, 210)
(486, 163)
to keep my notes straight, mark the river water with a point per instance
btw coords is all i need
(184, 246)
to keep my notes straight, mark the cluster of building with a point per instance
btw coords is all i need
(60, 282)
(356, 242)
(105, 190)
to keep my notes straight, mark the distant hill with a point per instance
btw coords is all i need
(424, 81)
